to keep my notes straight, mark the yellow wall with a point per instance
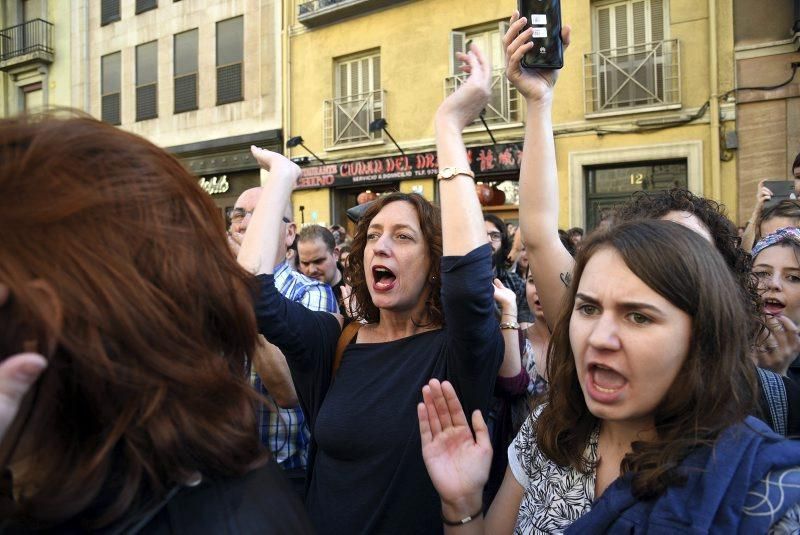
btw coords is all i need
(314, 200)
(413, 39)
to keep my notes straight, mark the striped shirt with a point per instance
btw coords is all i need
(285, 432)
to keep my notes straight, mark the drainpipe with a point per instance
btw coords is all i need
(286, 6)
(713, 82)
(87, 59)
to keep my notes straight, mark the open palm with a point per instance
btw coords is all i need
(457, 464)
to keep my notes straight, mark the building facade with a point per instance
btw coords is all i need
(767, 52)
(37, 55)
(636, 106)
(200, 78)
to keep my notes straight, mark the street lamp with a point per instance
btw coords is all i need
(298, 140)
(381, 124)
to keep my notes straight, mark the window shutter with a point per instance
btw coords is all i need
(458, 42)
(376, 73)
(639, 23)
(364, 74)
(603, 28)
(657, 20)
(341, 81)
(620, 27)
(355, 79)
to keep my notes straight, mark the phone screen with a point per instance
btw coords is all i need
(544, 16)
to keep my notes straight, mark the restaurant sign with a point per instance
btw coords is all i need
(486, 161)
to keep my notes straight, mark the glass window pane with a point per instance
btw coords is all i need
(146, 63)
(230, 41)
(110, 66)
(186, 52)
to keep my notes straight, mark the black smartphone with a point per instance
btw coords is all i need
(782, 190)
(544, 16)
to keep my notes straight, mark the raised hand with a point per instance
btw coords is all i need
(277, 164)
(533, 84)
(465, 104)
(506, 300)
(457, 464)
(781, 347)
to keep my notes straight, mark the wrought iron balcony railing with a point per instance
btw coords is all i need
(503, 107)
(632, 77)
(29, 41)
(346, 119)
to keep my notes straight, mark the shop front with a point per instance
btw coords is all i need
(225, 167)
(343, 185)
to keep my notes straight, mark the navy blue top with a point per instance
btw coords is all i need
(367, 473)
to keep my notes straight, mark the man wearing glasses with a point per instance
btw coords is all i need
(282, 427)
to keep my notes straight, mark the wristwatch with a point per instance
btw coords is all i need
(449, 173)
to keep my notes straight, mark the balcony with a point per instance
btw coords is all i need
(27, 43)
(320, 12)
(346, 119)
(503, 107)
(632, 79)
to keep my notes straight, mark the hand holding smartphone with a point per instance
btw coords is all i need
(544, 16)
(782, 190)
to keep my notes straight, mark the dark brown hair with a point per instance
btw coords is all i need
(655, 205)
(788, 208)
(146, 383)
(430, 222)
(317, 232)
(716, 386)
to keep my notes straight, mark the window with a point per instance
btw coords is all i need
(632, 64)
(358, 100)
(110, 90)
(147, 81)
(145, 5)
(504, 104)
(623, 24)
(230, 54)
(185, 71)
(109, 11)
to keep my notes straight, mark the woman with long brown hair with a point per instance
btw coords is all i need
(119, 274)
(645, 427)
(422, 283)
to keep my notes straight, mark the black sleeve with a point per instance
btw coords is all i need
(307, 339)
(474, 343)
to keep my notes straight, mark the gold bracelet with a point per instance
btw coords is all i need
(509, 325)
(449, 173)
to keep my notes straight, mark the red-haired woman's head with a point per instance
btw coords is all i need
(119, 271)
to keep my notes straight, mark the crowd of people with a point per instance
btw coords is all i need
(439, 370)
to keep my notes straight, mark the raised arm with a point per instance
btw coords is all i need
(260, 247)
(538, 179)
(462, 220)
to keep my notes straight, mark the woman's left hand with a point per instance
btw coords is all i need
(465, 104)
(781, 347)
(505, 298)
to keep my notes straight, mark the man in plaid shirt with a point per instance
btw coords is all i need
(282, 425)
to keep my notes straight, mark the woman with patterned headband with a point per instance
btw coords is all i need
(776, 264)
